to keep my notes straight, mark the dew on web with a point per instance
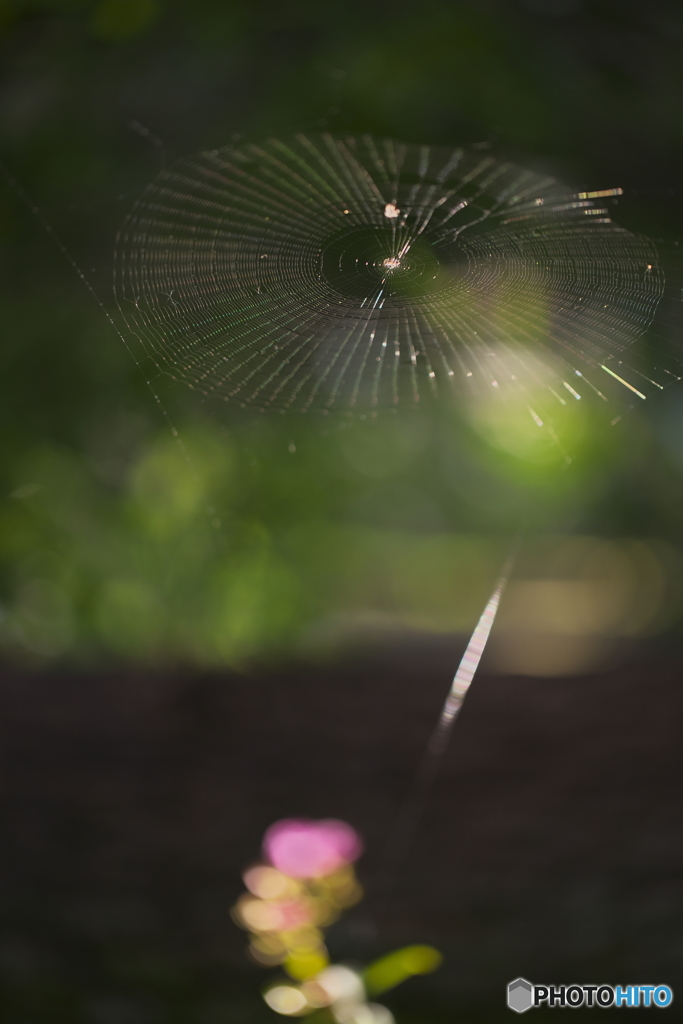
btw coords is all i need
(354, 274)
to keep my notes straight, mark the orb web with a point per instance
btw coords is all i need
(355, 273)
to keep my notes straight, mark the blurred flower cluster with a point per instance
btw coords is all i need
(305, 882)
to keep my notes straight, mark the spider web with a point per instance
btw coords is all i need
(328, 273)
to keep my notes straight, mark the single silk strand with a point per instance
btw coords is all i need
(408, 818)
(470, 661)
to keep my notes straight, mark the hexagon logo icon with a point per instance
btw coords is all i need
(520, 995)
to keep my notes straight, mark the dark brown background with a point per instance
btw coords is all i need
(551, 845)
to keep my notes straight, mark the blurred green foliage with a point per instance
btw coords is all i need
(119, 19)
(247, 539)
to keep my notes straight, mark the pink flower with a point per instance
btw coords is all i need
(302, 848)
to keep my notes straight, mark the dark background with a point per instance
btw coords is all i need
(156, 713)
